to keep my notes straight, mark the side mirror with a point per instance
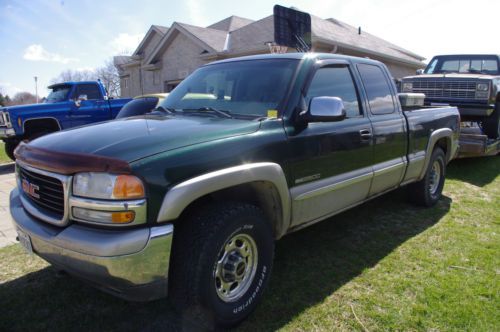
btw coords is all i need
(325, 109)
(78, 101)
(419, 71)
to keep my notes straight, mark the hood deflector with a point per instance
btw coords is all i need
(69, 163)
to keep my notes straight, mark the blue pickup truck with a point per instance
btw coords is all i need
(70, 104)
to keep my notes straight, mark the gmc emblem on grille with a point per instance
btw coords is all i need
(31, 189)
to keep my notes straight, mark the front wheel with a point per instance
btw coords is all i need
(427, 191)
(10, 146)
(222, 260)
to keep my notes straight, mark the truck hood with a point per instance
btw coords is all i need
(134, 138)
(452, 76)
(23, 109)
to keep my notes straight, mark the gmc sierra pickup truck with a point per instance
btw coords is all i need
(189, 201)
(70, 104)
(470, 82)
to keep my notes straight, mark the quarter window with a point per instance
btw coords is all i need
(377, 88)
(335, 82)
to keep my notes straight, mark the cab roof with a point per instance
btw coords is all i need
(71, 83)
(299, 56)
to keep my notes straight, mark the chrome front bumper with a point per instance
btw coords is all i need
(7, 132)
(132, 264)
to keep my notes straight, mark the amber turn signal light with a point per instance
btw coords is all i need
(128, 186)
(122, 217)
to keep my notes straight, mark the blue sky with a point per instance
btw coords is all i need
(44, 37)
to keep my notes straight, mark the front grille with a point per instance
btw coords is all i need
(464, 89)
(48, 194)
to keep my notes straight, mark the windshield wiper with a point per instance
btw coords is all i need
(220, 113)
(164, 109)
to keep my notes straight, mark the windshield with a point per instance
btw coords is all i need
(463, 64)
(59, 93)
(239, 89)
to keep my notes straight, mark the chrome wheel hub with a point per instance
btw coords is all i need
(235, 267)
(435, 176)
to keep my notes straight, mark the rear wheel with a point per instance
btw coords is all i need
(427, 191)
(491, 124)
(222, 260)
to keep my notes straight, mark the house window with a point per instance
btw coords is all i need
(156, 77)
(125, 82)
(168, 86)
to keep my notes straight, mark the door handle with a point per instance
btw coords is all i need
(365, 134)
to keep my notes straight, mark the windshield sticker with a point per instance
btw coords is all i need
(272, 114)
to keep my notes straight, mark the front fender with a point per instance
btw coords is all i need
(183, 194)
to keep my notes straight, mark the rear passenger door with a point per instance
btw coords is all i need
(331, 161)
(94, 109)
(389, 128)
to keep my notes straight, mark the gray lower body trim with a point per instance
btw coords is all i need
(416, 163)
(132, 264)
(387, 175)
(316, 199)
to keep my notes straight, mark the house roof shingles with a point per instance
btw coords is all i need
(339, 32)
(212, 37)
(231, 23)
(245, 36)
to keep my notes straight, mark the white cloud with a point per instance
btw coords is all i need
(126, 43)
(84, 69)
(8, 88)
(36, 52)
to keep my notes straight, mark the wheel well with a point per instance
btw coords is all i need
(40, 125)
(443, 144)
(262, 194)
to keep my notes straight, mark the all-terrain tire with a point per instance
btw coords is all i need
(200, 248)
(427, 191)
(491, 124)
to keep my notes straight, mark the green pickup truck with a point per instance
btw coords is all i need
(190, 200)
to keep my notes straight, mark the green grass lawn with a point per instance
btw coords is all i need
(3, 156)
(385, 265)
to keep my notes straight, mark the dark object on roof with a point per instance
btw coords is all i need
(292, 28)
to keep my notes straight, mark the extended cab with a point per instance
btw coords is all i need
(469, 81)
(247, 150)
(68, 105)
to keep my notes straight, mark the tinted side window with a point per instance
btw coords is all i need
(377, 88)
(90, 90)
(335, 82)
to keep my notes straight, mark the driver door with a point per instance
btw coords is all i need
(93, 109)
(331, 168)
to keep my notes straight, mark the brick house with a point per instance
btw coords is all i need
(167, 55)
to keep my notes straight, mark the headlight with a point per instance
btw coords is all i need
(482, 87)
(107, 186)
(407, 87)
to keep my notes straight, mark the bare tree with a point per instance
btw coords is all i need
(108, 74)
(22, 98)
(75, 76)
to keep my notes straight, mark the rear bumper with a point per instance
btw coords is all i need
(466, 110)
(132, 264)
